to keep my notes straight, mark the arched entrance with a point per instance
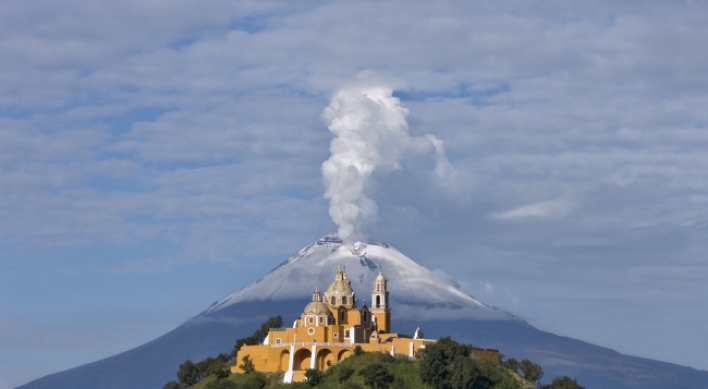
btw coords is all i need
(324, 356)
(343, 354)
(302, 359)
(284, 364)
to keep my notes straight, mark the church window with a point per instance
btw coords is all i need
(321, 319)
(344, 300)
(312, 320)
(335, 335)
(278, 341)
(346, 334)
(334, 300)
(341, 315)
(311, 331)
(365, 318)
(378, 301)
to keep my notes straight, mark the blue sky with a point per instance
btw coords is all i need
(157, 156)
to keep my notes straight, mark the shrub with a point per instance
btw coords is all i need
(254, 380)
(172, 385)
(563, 382)
(222, 384)
(385, 357)
(314, 377)
(345, 372)
(376, 375)
(350, 385)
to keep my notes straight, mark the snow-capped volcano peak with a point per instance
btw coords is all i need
(414, 290)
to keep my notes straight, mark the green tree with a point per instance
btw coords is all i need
(188, 374)
(247, 366)
(512, 364)
(376, 375)
(219, 369)
(531, 371)
(350, 385)
(464, 373)
(358, 350)
(438, 362)
(172, 385)
(345, 372)
(313, 376)
(563, 382)
(399, 383)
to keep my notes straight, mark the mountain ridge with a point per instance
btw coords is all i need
(413, 286)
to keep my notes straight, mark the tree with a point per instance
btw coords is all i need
(358, 350)
(438, 362)
(563, 382)
(511, 363)
(313, 376)
(218, 369)
(247, 366)
(345, 372)
(376, 375)
(531, 371)
(464, 373)
(188, 374)
(172, 385)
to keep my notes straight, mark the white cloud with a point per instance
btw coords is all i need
(553, 208)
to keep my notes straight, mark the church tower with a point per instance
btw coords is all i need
(379, 305)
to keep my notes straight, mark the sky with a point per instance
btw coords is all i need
(157, 156)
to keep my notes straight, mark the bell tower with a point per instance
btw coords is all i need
(380, 307)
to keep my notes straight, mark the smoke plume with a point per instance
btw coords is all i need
(370, 135)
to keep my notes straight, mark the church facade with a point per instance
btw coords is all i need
(329, 329)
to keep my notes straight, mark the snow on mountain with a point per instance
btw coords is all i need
(416, 292)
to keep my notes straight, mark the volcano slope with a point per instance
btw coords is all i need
(418, 297)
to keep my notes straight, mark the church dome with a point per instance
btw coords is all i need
(340, 286)
(316, 308)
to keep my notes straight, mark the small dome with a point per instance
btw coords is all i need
(380, 277)
(316, 308)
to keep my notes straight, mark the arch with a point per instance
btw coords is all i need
(378, 301)
(302, 359)
(284, 364)
(343, 354)
(324, 356)
(344, 300)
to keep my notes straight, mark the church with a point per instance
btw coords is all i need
(329, 329)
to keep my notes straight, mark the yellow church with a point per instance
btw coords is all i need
(328, 331)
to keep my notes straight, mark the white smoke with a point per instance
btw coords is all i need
(370, 135)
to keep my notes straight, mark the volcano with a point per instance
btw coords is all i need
(419, 297)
